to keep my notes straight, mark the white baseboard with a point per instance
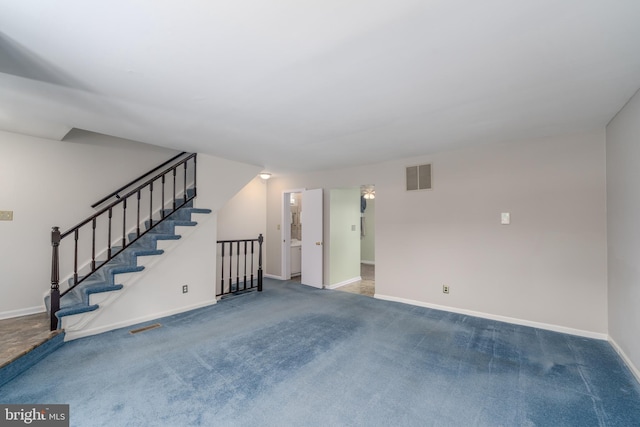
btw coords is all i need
(634, 370)
(343, 283)
(513, 320)
(367, 262)
(22, 312)
(69, 336)
(272, 276)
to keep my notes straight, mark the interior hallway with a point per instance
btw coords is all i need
(366, 286)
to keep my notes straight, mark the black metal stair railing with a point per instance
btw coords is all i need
(173, 187)
(116, 193)
(238, 260)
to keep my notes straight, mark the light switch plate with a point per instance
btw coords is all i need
(6, 215)
(505, 218)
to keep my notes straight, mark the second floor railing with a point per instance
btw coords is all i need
(240, 265)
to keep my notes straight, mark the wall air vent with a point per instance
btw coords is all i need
(419, 177)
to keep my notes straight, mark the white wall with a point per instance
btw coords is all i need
(547, 268)
(623, 216)
(245, 215)
(49, 183)
(344, 235)
(221, 179)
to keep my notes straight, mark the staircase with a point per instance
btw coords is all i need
(111, 270)
(102, 252)
(79, 299)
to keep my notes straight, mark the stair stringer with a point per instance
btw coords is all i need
(156, 291)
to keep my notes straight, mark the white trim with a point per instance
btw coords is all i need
(22, 312)
(69, 336)
(272, 276)
(635, 371)
(343, 283)
(539, 325)
(362, 261)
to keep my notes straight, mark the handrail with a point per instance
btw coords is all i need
(129, 194)
(115, 193)
(147, 187)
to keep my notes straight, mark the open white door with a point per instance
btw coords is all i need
(312, 244)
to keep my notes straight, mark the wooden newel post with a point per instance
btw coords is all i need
(260, 240)
(55, 277)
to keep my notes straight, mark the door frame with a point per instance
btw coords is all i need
(285, 232)
(312, 273)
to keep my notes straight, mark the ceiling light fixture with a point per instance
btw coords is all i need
(369, 194)
(265, 175)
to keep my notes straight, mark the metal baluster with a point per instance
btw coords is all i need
(150, 205)
(238, 265)
(75, 257)
(222, 271)
(195, 177)
(185, 183)
(245, 266)
(260, 240)
(138, 218)
(174, 188)
(252, 262)
(109, 236)
(55, 278)
(162, 207)
(230, 265)
(124, 223)
(93, 245)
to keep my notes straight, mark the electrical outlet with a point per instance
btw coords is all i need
(445, 289)
(185, 289)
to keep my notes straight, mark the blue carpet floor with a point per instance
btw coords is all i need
(299, 356)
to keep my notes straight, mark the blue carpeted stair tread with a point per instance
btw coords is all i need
(125, 260)
(75, 309)
(122, 268)
(146, 252)
(184, 223)
(171, 223)
(102, 287)
(155, 234)
(200, 210)
(185, 212)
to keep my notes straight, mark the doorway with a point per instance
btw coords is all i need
(302, 236)
(366, 284)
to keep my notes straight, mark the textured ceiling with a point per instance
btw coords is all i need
(304, 85)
